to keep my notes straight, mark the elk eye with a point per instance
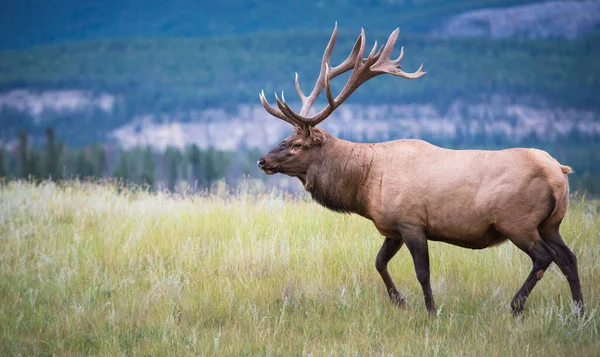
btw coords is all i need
(297, 146)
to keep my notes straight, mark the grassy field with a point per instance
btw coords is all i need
(85, 270)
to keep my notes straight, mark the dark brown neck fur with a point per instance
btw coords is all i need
(337, 180)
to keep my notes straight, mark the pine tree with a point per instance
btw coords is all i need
(148, 171)
(2, 169)
(98, 158)
(211, 168)
(172, 156)
(52, 159)
(22, 150)
(216, 165)
(196, 160)
(35, 161)
(82, 164)
(122, 168)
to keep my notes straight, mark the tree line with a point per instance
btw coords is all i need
(199, 169)
(144, 166)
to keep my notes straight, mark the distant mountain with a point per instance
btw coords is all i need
(24, 23)
(128, 71)
(553, 19)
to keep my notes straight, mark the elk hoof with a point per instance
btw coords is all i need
(398, 299)
(517, 311)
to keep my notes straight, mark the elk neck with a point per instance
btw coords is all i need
(339, 178)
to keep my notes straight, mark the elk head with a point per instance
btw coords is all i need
(294, 155)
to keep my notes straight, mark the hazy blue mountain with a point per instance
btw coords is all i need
(95, 68)
(32, 22)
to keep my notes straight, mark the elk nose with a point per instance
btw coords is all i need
(261, 163)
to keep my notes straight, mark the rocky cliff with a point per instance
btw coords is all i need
(564, 19)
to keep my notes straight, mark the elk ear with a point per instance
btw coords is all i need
(316, 134)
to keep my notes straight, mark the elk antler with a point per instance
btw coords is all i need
(363, 69)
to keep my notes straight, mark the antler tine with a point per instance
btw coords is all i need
(377, 62)
(299, 91)
(288, 111)
(397, 60)
(354, 60)
(359, 56)
(365, 69)
(328, 87)
(274, 112)
(307, 102)
(345, 66)
(386, 65)
(348, 63)
(285, 112)
(389, 46)
(372, 53)
(417, 74)
(282, 105)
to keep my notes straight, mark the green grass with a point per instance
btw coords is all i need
(85, 270)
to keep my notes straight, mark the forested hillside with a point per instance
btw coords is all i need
(161, 59)
(170, 74)
(174, 75)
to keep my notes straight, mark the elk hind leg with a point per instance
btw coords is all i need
(389, 248)
(566, 261)
(541, 258)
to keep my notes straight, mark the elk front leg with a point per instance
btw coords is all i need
(389, 248)
(416, 242)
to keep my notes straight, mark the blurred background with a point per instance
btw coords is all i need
(166, 93)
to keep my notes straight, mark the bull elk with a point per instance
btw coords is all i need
(414, 191)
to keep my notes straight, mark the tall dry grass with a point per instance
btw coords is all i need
(88, 270)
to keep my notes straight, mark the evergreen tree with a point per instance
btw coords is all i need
(98, 158)
(82, 165)
(52, 169)
(122, 168)
(148, 171)
(22, 150)
(184, 167)
(172, 156)
(216, 165)
(196, 160)
(210, 168)
(11, 164)
(2, 169)
(36, 164)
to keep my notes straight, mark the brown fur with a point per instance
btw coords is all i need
(464, 197)
(415, 192)
(470, 198)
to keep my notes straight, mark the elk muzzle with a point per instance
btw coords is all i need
(267, 168)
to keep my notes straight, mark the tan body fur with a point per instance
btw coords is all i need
(415, 192)
(459, 196)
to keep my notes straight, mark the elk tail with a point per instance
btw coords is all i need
(566, 169)
(559, 200)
